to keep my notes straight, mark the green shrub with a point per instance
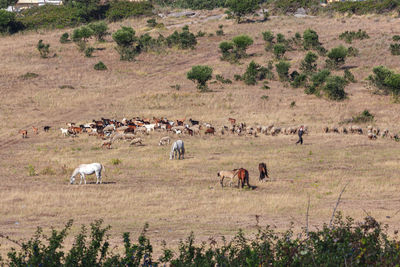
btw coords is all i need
(82, 34)
(200, 34)
(64, 38)
(183, 40)
(152, 23)
(319, 78)
(220, 31)
(364, 7)
(280, 38)
(99, 30)
(380, 77)
(348, 37)
(299, 81)
(279, 50)
(31, 170)
(100, 66)
(254, 73)
(308, 64)
(396, 38)
(29, 75)
(310, 39)
(282, 68)
(241, 43)
(126, 40)
(352, 52)
(363, 117)
(8, 22)
(395, 49)
(192, 4)
(44, 49)
(240, 8)
(291, 6)
(221, 79)
(116, 161)
(89, 51)
(124, 9)
(268, 37)
(334, 88)
(349, 77)
(337, 57)
(200, 74)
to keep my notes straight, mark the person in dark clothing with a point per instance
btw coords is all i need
(300, 133)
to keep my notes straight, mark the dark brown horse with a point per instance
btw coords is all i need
(262, 167)
(243, 177)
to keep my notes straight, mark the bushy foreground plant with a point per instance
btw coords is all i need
(236, 49)
(386, 80)
(349, 36)
(200, 74)
(341, 243)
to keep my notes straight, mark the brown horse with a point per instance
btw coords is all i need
(243, 177)
(262, 167)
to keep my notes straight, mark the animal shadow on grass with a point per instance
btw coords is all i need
(348, 67)
(101, 183)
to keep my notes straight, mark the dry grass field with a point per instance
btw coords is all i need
(176, 197)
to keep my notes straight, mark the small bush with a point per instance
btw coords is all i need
(396, 38)
(239, 8)
(310, 39)
(29, 75)
(99, 30)
(363, 117)
(254, 73)
(279, 50)
(124, 9)
(237, 77)
(126, 43)
(89, 51)
(44, 49)
(395, 49)
(280, 38)
(349, 77)
(352, 52)
(116, 161)
(308, 64)
(100, 66)
(8, 22)
(235, 50)
(282, 68)
(292, 104)
(336, 57)
(299, 81)
(64, 38)
(82, 34)
(241, 43)
(31, 170)
(334, 88)
(200, 74)
(183, 40)
(348, 37)
(221, 79)
(200, 34)
(380, 77)
(152, 23)
(48, 171)
(268, 37)
(220, 31)
(264, 97)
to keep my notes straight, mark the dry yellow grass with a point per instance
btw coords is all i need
(176, 197)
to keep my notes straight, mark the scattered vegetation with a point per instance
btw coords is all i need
(48, 171)
(29, 75)
(64, 38)
(127, 43)
(44, 49)
(100, 66)
(254, 73)
(240, 8)
(119, 10)
(364, 7)
(235, 50)
(349, 77)
(363, 117)
(349, 36)
(268, 37)
(183, 40)
(279, 50)
(352, 52)
(200, 74)
(89, 51)
(342, 241)
(31, 170)
(395, 49)
(99, 30)
(308, 64)
(220, 31)
(385, 80)
(116, 161)
(221, 79)
(192, 4)
(334, 88)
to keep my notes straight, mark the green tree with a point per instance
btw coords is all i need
(241, 43)
(282, 68)
(308, 64)
(7, 19)
(200, 74)
(334, 88)
(126, 43)
(43, 49)
(310, 39)
(279, 50)
(99, 29)
(337, 57)
(242, 7)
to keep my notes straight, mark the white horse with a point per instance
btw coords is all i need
(88, 169)
(177, 148)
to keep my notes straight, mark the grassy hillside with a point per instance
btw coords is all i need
(176, 197)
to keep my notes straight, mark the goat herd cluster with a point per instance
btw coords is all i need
(372, 132)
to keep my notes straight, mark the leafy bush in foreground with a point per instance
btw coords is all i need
(100, 66)
(386, 80)
(235, 50)
(341, 243)
(200, 74)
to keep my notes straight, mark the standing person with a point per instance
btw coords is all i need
(300, 133)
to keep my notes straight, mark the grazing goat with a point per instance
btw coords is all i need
(64, 131)
(24, 133)
(136, 141)
(164, 141)
(232, 121)
(193, 122)
(35, 130)
(107, 144)
(46, 128)
(210, 130)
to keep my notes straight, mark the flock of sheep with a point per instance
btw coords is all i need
(372, 132)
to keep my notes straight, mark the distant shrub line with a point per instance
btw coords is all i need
(342, 243)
